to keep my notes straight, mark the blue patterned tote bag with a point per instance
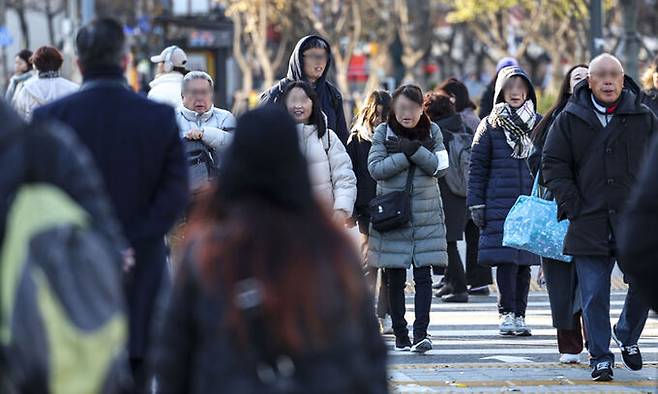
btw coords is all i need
(532, 225)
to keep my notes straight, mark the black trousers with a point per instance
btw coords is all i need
(513, 287)
(383, 307)
(456, 277)
(476, 275)
(397, 278)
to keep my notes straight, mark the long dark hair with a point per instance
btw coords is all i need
(308, 275)
(364, 124)
(422, 130)
(317, 117)
(539, 133)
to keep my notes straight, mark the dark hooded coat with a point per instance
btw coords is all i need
(496, 180)
(591, 179)
(330, 98)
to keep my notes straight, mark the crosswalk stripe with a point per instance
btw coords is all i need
(502, 351)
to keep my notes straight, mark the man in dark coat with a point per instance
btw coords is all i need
(590, 162)
(310, 61)
(638, 248)
(136, 145)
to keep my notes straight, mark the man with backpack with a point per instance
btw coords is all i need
(205, 129)
(310, 61)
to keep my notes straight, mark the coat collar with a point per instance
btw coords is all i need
(192, 116)
(580, 104)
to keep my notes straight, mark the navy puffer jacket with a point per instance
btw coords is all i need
(496, 180)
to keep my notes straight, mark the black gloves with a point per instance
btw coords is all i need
(404, 145)
(429, 144)
(477, 214)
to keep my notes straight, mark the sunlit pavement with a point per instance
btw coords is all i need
(469, 356)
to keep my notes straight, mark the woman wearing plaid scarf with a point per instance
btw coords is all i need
(499, 174)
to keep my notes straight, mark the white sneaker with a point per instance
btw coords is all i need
(521, 329)
(507, 325)
(386, 325)
(567, 358)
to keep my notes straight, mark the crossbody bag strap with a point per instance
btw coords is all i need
(410, 179)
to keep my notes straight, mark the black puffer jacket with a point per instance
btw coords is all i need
(650, 99)
(592, 183)
(358, 149)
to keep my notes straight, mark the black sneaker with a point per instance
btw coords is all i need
(402, 344)
(602, 372)
(422, 345)
(630, 355)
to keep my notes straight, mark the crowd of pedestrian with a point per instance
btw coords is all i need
(269, 294)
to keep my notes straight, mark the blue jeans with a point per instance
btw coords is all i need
(594, 280)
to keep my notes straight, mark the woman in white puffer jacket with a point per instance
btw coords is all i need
(330, 167)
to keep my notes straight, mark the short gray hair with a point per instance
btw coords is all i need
(192, 75)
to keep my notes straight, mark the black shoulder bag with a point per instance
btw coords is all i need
(392, 210)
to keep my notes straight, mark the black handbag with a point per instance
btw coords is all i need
(392, 210)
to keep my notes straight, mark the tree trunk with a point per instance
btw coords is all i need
(241, 103)
(631, 40)
(49, 20)
(25, 31)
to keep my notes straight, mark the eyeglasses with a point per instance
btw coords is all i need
(317, 58)
(199, 92)
(607, 74)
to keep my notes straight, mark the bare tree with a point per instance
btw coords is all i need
(255, 22)
(414, 32)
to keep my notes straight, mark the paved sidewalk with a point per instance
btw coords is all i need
(516, 377)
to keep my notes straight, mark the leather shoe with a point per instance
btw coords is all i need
(445, 290)
(457, 298)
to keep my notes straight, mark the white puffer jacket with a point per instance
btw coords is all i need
(217, 125)
(36, 92)
(166, 89)
(330, 168)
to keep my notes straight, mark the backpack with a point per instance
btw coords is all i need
(63, 327)
(459, 156)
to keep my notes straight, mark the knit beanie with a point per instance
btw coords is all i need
(264, 161)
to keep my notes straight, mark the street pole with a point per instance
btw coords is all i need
(596, 28)
(88, 11)
(631, 40)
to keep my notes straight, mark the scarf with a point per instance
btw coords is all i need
(420, 132)
(516, 123)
